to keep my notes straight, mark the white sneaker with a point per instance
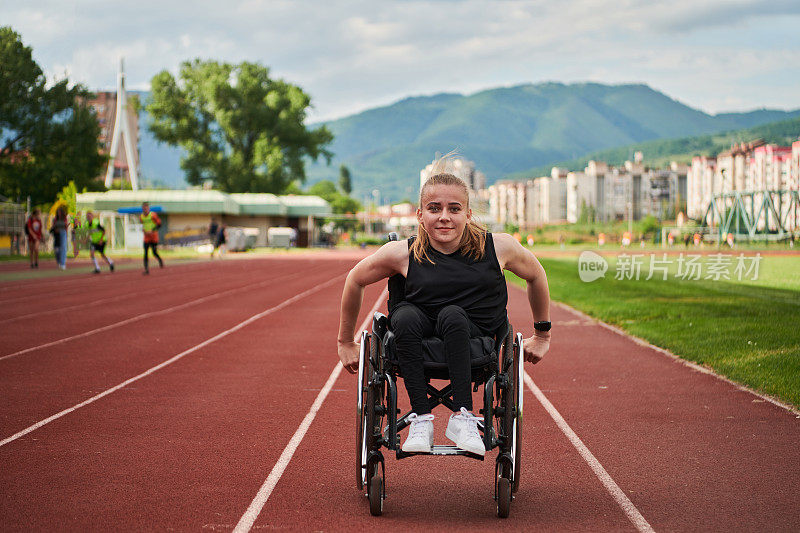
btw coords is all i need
(420, 433)
(463, 430)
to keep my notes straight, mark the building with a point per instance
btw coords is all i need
(189, 212)
(461, 168)
(599, 193)
(581, 195)
(769, 168)
(750, 169)
(794, 167)
(105, 106)
(700, 185)
(529, 203)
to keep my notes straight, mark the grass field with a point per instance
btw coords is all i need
(746, 330)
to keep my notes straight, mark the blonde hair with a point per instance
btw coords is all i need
(473, 240)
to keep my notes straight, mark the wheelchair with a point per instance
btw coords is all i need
(496, 365)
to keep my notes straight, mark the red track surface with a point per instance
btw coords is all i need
(188, 446)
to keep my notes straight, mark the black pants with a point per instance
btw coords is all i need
(453, 326)
(154, 246)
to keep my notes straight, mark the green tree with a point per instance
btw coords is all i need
(340, 203)
(69, 195)
(344, 180)
(239, 128)
(325, 189)
(47, 135)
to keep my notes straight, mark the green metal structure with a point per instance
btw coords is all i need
(767, 215)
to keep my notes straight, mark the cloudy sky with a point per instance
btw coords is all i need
(350, 55)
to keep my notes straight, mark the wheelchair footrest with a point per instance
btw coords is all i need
(441, 449)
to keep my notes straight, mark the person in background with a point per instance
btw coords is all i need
(213, 229)
(77, 231)
(59, 231)
(97, 242)
(33, 229)
(150, 224)
(219, 242)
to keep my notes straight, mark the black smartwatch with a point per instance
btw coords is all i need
(545, 325)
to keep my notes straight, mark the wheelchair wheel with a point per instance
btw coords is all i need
(376, 495)
(361, 413)
(519, 390)
(508, 402)
(503, 497)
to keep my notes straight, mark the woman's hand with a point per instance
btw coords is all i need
(348, 355)
(535, 347)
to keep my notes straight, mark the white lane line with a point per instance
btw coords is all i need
(88, 282)
(619, 496)
(677, 359)
(148, 315)
(249, 517)
(101, 301)
(146, 373)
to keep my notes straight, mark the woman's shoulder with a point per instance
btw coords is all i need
(393, 250)
(504, 246)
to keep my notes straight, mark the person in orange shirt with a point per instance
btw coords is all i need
(150, 225)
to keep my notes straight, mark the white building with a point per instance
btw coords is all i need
(529, 203)
(461, 168)
(581, 194)
(746, 167)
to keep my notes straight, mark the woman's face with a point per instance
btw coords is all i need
(444, 214)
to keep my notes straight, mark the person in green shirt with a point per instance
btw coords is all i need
(97, 241)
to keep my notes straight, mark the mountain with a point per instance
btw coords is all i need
(660, 153)
(508, 130)
(504, 130)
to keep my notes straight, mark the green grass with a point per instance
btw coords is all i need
(745, 330)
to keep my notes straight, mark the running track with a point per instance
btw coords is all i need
(631, 439)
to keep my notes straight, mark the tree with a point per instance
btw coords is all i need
(69, 195)
(344, 180)
(340, 203)
(239, 128)
(47, 135)
(325, 189)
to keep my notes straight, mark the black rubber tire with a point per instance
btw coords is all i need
(373, 397)
(361, 427)
(509, 400)
(518, 386)
(376, 495)
(503, 497)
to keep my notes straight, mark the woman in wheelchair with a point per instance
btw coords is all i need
(454, 289)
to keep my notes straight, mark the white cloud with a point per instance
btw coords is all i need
(352, 54)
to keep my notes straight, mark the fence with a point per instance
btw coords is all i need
(12, 228)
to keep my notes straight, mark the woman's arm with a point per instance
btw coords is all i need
(390, 259)
(512, 256)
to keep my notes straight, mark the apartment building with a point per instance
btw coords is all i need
(530, 203)
(769, 168)
(700, 184)
(105, 106)
(461, 168)
(746, 167)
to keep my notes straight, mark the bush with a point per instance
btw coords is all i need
(369, 241)
(650, 224)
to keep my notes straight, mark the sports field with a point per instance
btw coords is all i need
(208, 395)
(741, 324)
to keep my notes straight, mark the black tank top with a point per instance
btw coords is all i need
(477, 286)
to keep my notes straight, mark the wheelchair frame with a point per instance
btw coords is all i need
(378, 425)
